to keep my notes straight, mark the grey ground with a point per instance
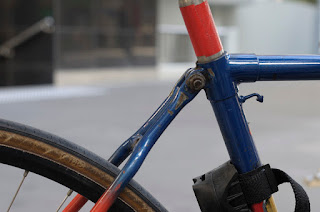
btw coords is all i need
(285, 127)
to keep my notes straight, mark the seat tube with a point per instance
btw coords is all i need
(221, 90)
(223, 96)
(236, 134)
(222, 93)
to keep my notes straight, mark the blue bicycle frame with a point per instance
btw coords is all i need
(222, 76)
(219, 74)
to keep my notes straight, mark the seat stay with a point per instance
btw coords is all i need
(182, 95)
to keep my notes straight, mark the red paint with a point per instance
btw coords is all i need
(257, 207)
(76, 204)
(105, 202)
(202, 29)
(117, 188)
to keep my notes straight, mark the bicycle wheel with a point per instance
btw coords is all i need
(68, 164)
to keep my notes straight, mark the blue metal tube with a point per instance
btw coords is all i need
(236, 134)
(289, 67)
(182, 95)
(229, 70)
(223, 75)
(162, 109)
(251, 68)
(222, 93)
(126, 148)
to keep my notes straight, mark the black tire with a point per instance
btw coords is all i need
(68, 164)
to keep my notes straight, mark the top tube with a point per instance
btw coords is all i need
(251, 68)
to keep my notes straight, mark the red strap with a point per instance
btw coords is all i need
(202, 29)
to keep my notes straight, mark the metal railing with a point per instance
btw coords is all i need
(45, 25)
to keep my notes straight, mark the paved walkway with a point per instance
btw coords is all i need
(285, 128)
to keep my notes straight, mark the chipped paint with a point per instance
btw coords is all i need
(135, 142)
(182, 98)
(211, 72)
(118, 186)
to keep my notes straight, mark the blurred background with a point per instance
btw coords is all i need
(142, 33)
(92, 71)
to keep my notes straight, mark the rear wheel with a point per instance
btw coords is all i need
(68, 164)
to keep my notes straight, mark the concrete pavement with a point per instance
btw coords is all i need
(285, 128)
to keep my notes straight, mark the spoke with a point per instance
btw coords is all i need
(24, 177)
(65, 199)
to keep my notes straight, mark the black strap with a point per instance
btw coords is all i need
(260, 184)
(302, 199)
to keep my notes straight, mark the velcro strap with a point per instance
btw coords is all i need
(258, 185)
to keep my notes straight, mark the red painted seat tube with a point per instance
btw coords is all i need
(205, 38)
(202, 30)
